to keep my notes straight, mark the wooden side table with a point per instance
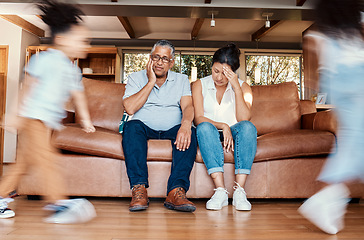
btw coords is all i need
(323, 107)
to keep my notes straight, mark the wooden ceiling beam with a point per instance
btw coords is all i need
(313, 27)
(127, 26)
(196, 28)
(263, 30)
(24, 24)
(300, 2)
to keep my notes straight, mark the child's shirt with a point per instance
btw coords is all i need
(56, 78)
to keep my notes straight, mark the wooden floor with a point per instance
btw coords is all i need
(268, 220)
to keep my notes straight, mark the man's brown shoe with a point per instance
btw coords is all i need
(177, 200)
(139, 199)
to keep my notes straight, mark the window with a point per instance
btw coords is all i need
(137, 60)
(273, 69)
(134, 62)
(202, 62)
(261, 68)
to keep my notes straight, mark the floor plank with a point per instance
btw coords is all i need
(268, 220)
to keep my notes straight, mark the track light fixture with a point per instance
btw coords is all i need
(212, 24)
(213, 13)
(267, 22)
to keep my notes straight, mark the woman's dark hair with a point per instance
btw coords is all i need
(59, 16)
(229, 54)
(338, 17)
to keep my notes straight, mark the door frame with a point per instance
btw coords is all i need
(3, 82)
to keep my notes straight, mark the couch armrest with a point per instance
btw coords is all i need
(324, 121)
(307, 106)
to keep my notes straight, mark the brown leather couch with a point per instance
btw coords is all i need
(293, 143)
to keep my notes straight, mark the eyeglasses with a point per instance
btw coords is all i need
(156, 58)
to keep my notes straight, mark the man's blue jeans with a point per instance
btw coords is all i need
(245, 145)
(135, 146)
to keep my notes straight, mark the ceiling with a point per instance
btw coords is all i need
(185, 23)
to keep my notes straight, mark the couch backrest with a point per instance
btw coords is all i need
(104, 100)
(276, 107)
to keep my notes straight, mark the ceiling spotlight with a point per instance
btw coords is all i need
(212, 24)
(267, 22)
(212, 13)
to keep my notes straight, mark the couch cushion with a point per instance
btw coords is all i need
(104, 143)
(276, 107)
(294, 143)
(105, 103)
(289, 144)
(276, 145)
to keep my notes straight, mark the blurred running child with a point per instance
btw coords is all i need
(340, 48)
(51, 79)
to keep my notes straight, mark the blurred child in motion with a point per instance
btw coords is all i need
(340, 49)
(51, 79)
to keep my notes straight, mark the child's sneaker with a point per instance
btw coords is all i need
(13, 194)
(218, 200)
(71, 211)
(239, 199)
(5, 212)
(58, 206)
(326, 209)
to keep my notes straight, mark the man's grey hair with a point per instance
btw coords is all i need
(164, 43)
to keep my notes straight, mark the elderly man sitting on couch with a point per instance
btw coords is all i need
(161, 103)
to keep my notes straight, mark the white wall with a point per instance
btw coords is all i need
(28, 39)
(17, 39)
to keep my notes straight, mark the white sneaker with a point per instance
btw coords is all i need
(218, 200)
(326, 209)
(5, 212)
(239, 199)
(73, 211)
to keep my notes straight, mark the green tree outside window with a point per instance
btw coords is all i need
(134, 62)
(273, 69)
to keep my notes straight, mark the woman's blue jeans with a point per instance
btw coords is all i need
(135, 145)
(245, 145)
